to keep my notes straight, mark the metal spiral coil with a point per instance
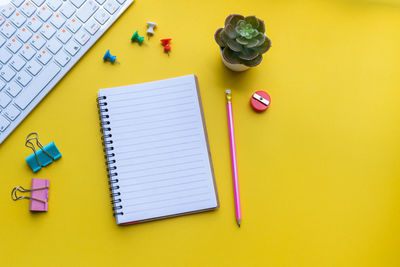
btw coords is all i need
(109, 156)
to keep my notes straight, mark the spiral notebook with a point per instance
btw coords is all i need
(157, 150)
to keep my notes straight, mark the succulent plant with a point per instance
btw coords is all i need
(243, 40)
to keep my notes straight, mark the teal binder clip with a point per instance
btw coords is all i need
(44, 156)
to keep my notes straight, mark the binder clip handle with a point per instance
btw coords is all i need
(31, 145)
(15, 197)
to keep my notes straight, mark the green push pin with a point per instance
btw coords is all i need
(138, 38)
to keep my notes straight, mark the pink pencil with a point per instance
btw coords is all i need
(233, 157)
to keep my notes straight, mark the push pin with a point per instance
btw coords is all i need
(260, 101)
(165, 43)
(38, 201)
(43, 157)
(150, 30)
(111, 58)
(138, 38)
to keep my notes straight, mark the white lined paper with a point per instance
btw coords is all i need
(161, 150)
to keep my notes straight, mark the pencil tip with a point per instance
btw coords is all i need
(238, 221)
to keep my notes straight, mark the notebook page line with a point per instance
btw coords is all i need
(160, 173)
(159, 187)
(140, 88)
(158, 160)
(161, 180)
(152, 135)
(155, 148)
(165, 199)
(163, 166)
(156, 154)
(198, 201)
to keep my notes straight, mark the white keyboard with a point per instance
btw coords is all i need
(40, 40)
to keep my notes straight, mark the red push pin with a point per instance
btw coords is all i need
(260, 101)
(165, 43)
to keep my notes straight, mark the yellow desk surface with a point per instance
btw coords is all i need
(319, 171)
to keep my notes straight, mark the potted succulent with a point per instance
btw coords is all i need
(242, 42)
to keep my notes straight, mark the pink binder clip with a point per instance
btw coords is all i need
(38, 201)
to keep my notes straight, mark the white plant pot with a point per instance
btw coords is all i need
(234, 67)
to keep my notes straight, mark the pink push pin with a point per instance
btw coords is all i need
(38, 201)
(260, 101)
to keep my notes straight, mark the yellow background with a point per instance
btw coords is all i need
(319, 171)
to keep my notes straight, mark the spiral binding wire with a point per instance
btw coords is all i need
(105, 129)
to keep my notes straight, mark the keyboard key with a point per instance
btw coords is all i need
(54, 4)
(38, 41)
(37, 85)
(92, 26)
(44, 13)
(111, 6)
(34, 67)
(68, 10)
(44, 57)
(23, 34)
(2, 40)
(11, 112)
(1, 20)
(17, 3)
(24, 78)
(28, 9)
(18, 19)
(87, 10)
(3, 123)
(64, 36)
(13, 89)
(4, 99)
(34, 24)
(38, 2)
(48, 31)
(57, 20)
(101, 2)
(28, 52)
(82, 37)
(121, 1)
(62, 58)
(53, 46)
(4, 55)
(77, 3)
(101, 16)
(14, 45)
(7, 73)
(2, 84)
(72, 47)
(7, 10)
(7, 29)
(17, 63)
(73, 25)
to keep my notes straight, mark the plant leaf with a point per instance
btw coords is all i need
(248, 54)
(233, 19)
(217, 37)
(253, 21)
(241, 40)
(253, 62)
(230, 56)
(231, 43)
(252, 43)
(261, 26)
(264, 46)
(230, 31)
(260, 38)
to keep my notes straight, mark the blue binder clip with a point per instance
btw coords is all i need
(44, 156)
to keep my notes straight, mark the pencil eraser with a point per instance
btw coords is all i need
(260, 101)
